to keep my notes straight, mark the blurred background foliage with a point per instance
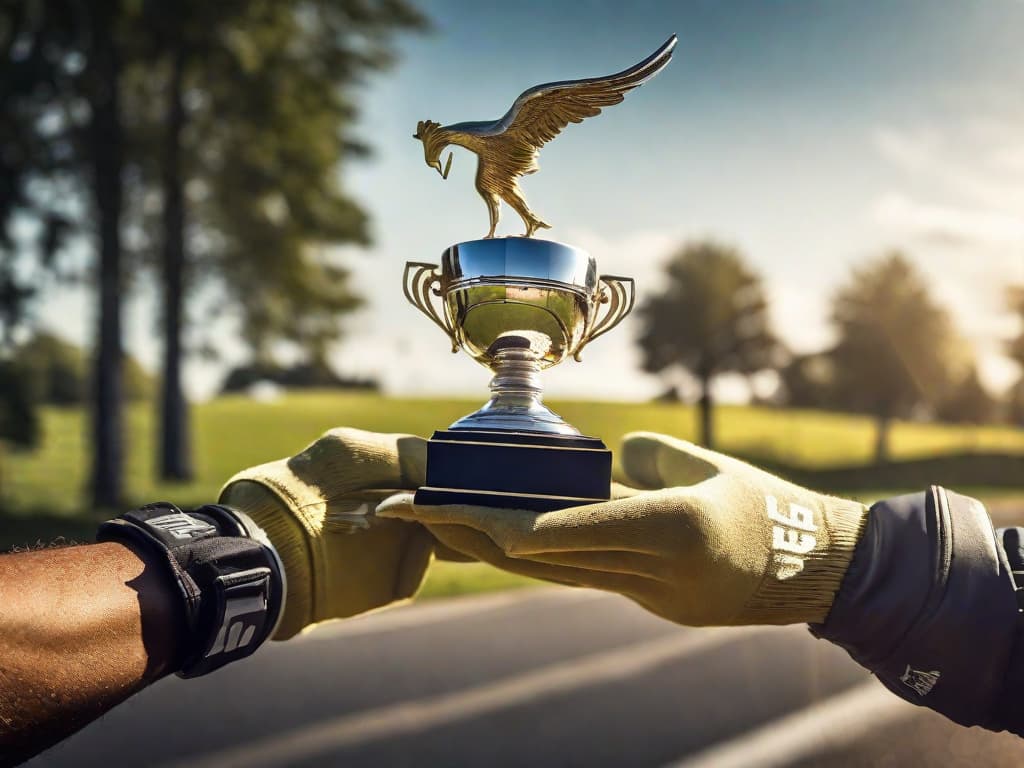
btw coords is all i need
(202, 141)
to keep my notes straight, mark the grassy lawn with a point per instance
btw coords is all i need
(234, 432)
(42, 490)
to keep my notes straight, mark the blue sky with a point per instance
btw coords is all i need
(811, 134)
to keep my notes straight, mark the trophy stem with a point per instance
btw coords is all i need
(516, 379)
(516, 397)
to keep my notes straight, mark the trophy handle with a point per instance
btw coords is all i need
(619, 294)
(421, 281)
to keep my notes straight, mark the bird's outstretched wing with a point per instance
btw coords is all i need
(541, 112)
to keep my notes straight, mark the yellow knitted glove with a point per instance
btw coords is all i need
(717, 542)
(317, 509)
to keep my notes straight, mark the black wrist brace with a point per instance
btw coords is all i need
(228, 574)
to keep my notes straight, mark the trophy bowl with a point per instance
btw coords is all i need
(517, 306)
(493, 288)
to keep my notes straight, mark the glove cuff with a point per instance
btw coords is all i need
(791, 593)
(272, 512)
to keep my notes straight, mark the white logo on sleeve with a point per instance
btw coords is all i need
(919, 681)
(792, 537)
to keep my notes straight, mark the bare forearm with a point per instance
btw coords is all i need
(81, 629)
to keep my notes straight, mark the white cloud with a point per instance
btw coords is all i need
(979, 163)
(639, 255)
(909, 150)
(957, 225)
(799, 313)
(958, 206)
(1009, 156)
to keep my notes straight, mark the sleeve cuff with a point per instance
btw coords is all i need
(928, 605)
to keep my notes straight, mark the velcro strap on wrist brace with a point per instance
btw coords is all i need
(229, 576)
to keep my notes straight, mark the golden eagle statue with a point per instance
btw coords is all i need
(508, 148)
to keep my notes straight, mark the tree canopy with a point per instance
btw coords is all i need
(896, 348)
(710, 318)
(270, 100)
(1015, 347)
(968, 401)
(58, 371)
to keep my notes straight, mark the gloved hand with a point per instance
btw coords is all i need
(317, 509)
(716, 542)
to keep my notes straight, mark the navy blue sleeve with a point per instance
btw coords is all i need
(929, 605)
(1010, 708)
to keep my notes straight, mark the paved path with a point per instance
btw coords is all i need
(534, 677)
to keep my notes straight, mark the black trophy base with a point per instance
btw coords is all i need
(515, 470)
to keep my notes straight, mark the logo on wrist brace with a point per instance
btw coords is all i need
(182, 526)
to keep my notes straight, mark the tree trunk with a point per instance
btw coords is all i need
(882, 429)
(175, 457)
(707, 432)
(106, 149)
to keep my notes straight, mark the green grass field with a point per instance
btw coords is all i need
(42, 491)
(234, 432)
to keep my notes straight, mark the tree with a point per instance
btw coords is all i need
(63, 63)
(711, 318)
(1015, 403)
(19, 419)
(298, 376)
(58, 372)
(808, 381)
(968, 402)
(1015, 349)
(57, 369)
(270, 92)
(105, 141)
(32, 157)
(186, 31)
(1015, 303)
(281, 128)
(897, 350)
(28, 161)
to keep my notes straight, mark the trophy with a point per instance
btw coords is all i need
(519, 305)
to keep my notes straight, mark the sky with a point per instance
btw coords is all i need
(812, 135)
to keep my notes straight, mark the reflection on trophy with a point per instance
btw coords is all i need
(519, 305)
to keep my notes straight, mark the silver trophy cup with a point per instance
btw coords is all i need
(517, 305)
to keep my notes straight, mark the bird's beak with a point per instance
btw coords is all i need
(447, 166)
